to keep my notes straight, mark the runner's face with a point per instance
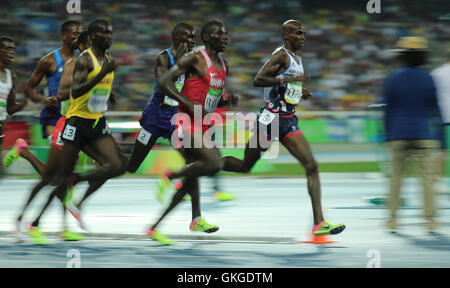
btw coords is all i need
(218, 39)
(7, 52)
(297, 37)
(71, 35)
(103, 37)
(189, 38)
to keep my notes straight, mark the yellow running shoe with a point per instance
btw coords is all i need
(37, 237)
(325, 228)
(158, 236)
(67, 235)
(203, 226)
(223, 196)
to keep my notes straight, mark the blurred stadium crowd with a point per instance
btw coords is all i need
(345, 51)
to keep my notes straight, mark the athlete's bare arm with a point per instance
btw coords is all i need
(66, 81)
(232, 99)
(162, 65)
(191, 62)
(11, 105)
(266, 75)
(276, 64)
(113, 97)
(43, 68)
(82, 68)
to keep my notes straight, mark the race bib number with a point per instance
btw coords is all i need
(98, 101)
(59, 141)
(144, 136)
(266, 117)
(212, 99)
(293, 93)
(69, 132)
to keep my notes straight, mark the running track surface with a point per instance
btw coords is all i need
(263, 227)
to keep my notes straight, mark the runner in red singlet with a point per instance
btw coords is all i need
(205, 72)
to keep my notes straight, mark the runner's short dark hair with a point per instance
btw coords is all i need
(66, 25)
(208, 27)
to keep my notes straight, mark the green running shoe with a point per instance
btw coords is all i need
(326, 228)
(14, 154)
(157, 236)
(223, 196)
(163, 186)
(66, 235)
(37, 237)
(203, 226)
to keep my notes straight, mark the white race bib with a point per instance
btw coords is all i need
(144, 136)
(69, 132)
(212, 99)
(266, 117)
(293, 93)
(98, 101)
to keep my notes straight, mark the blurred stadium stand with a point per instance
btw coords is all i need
(345, 53)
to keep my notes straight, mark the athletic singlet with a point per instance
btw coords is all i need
(55, 77)
(5, 89)
(159, 98)
(282, 99)
(207, 90)
(93, 103)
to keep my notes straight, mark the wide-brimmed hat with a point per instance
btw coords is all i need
(411, 43)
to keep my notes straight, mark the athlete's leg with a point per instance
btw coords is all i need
(189, 185)
(37, 164)
(65, 163)
(251, 156)
(94, 185)
(50, 173)
(140, 152)
(21, 149)
(300, 149)
(209, 161)
(114, 165)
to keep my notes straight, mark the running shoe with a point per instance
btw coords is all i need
(37, 237)
(203, 226)
(325, 228)
(67, 235)
(14, 154)
(163, 186)
(223, 196)
(158, 236)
